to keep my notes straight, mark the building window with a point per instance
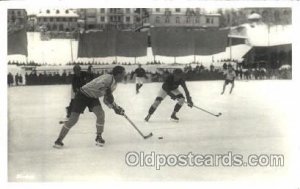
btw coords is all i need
(45, 19)
(102, 18)
(19, 13)
(64, 19)
(207, 20)
(177, 10)
(51, 19)
(157, 20)
(102, 10)
(188, 19)
(127, 11)
(127, 19)
(157, 10)
(167, 20)
(197, 20)
(54, 27)
(70, 19)
(57, 11)
(61, 27)
(58, 19)
(177, 20)
(48, 11)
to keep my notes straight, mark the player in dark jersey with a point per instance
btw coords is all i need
(140, 74)
(89, 74)
(170, 87)
(79, 79)
(88, 96)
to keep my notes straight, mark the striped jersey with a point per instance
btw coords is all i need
(98, 86)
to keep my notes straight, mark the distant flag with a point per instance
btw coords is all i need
(17, 41)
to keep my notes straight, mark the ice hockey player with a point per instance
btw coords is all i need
(140, 74)
(78, 80)
(170, 87)
(229, 78)
(88, 96)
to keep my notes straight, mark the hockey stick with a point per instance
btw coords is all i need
(217, 115)
(145, 137)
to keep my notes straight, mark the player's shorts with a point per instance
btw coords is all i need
(139, 80)
(227, 81)
(162, 93)
(81, 101)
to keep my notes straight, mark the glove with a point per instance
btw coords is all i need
(189, 101)
(118, 110)
(173, 97)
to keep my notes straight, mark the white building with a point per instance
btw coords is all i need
(107, 18)
(58, 19)
(182, 17)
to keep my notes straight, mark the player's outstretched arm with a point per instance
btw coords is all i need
(110, 102)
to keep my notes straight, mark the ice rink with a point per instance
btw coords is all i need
(257, 119)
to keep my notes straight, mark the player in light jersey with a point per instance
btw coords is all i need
(229, 78)
(88, 96)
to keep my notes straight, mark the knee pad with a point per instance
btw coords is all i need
(157, 102)
(71, 122)
(181, 100)
(180, 96)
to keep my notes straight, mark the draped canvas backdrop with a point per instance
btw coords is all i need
(173, 42)
(113, 43)
(17, 42)
(62, 51)
(183, 42)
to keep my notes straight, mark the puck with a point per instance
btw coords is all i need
(160, 137)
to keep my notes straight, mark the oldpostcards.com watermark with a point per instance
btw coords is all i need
(142, 159)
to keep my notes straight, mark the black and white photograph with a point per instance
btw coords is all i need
(162, 93)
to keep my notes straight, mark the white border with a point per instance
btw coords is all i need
(292, 183)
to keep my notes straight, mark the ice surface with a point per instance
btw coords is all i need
(257, 119)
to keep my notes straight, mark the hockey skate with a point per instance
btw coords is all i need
(99, 141)
(174, 117)
(147, 117)
(58, 144)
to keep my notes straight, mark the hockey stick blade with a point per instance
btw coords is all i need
(148, 136)
(219, 114)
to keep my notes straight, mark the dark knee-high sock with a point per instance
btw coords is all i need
(151, 110)
(63, 132)
(177, 108)
(100, 128)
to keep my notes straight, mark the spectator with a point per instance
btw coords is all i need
(17, 79)
(21, 79)
(10, 79)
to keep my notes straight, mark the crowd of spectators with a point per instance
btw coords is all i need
(195, 72)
